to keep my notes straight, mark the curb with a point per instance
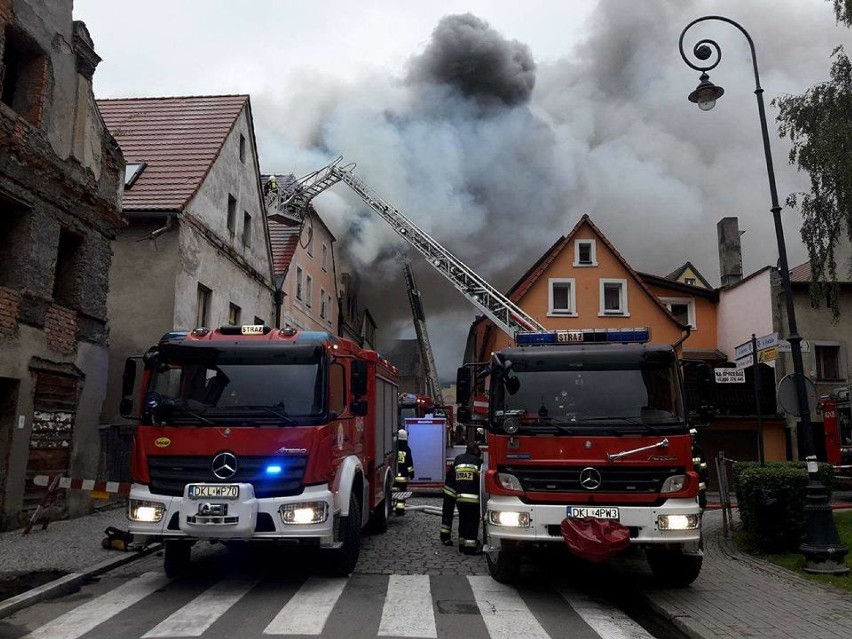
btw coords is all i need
(69, 582)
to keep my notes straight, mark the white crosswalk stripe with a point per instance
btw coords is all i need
(199, 614)
(504, 612)
(408, 608)
(605, 620)
(82, 619)
(308, 610)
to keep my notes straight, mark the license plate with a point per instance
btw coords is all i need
(204, 491)
(599, 512)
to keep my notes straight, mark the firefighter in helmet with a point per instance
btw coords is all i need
(404, 469)
(448, 509)
(465, 483)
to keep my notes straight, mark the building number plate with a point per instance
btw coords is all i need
(578, 512)
(205, 491)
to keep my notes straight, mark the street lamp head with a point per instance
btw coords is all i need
(706, 93)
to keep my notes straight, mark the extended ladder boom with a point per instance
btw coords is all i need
(292, 200)
(433, 388)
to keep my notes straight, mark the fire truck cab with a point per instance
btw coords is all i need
(248, 433)
(590, 425)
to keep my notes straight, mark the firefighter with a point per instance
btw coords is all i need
(466, 484)
(700, 467)
(271, 185)
(448, 510)
(404, 469)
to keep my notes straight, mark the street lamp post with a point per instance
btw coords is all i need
(822, 548)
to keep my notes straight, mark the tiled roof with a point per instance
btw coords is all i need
(801, 273)
(284, 238)
(178, 138)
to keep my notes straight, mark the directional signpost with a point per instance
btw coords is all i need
(766, 348)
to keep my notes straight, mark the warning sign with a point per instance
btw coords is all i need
(729, 375)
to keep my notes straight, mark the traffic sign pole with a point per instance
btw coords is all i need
(760, 457)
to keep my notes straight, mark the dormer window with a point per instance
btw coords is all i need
(682, 308)
(584, 253)
(132, 171)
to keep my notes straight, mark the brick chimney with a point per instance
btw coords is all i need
(730, 253)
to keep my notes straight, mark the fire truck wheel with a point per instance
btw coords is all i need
(379, 518)
(341, 561)
(504, 565)
(672, 568)
(178, 557)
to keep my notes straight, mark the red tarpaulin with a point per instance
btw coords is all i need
(595, 539)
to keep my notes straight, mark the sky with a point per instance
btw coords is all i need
(494, 125)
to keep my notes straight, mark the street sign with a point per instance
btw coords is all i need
(765, 341)
(729, 375)
(742, 350)
(745, 362)
(767, 355)
(784, 346)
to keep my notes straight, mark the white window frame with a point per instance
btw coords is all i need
(689, 302)
(624, 311)
(572, 297)
(299, 291)
(323, 305)
(325, 256)
(309, 289)
(310, 248)
(593, 254)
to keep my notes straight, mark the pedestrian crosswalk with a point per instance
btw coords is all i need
(415, 606)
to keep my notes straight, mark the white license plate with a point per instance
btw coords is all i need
(598, 512)
(204, 491)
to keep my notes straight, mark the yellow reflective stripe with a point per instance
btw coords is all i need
(470, 542)
(468, 498)
(449, 492)
(467, 467)
(445, 529)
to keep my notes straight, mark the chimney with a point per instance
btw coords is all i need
(730, 253)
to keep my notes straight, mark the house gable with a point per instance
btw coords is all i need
(583, 287)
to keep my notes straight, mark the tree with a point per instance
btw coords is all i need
(819, 125)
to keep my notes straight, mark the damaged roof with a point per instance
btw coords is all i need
(178, 138)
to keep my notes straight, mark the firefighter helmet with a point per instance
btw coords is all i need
(402, 435)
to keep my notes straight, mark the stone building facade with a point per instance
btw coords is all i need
(60, 204)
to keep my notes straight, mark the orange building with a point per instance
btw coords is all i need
(582, 281)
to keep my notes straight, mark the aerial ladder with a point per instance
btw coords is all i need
(291, 203)
(433, 388)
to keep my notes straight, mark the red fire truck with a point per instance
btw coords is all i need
(250, 433)
(589, 444)
(837, 424)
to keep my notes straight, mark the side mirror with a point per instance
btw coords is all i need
(462, 387)
(359, 407)
(126, 406)
(358, 377)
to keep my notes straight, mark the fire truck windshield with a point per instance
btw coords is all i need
(597, 395)
(208, 386)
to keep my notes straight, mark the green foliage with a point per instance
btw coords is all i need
(819, 125)
(771, 501)
(843, 11)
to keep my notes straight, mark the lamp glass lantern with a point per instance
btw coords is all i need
(706, 93)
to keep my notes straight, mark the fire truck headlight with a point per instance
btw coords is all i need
(509, 482)
(674, 484)
(312, 512)
(147, 511)
(677, 522)
(509, 519)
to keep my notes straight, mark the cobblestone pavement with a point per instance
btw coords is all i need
(411, 547)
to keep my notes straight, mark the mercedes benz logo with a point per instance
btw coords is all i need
(590, 479)
(224, 465)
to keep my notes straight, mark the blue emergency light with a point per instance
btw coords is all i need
(273, 470)
(585, 336)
